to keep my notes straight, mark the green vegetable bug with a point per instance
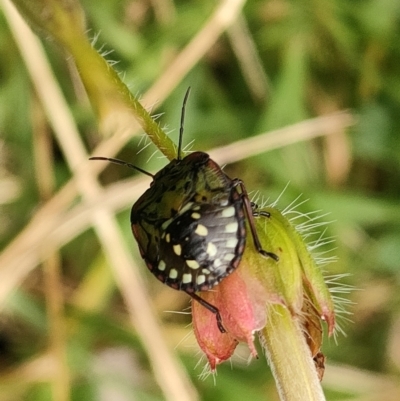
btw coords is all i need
(190, 225)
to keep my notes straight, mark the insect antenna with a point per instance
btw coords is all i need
(182, 123)
(118, 161)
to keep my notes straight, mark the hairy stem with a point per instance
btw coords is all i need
(289, 357)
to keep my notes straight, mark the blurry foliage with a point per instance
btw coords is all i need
(317, 57)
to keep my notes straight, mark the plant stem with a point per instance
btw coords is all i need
(289, 357)
(110, 97)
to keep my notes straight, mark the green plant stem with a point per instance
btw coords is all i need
(110, 97)
(289, 357)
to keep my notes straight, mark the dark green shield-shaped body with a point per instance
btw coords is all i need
(190, 224)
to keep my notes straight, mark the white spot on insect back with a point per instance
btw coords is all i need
(195, 215)
(192, 264)
(231, 243)
(186, 278)
(177, 249)
(168, 237)
(200, 279)
(217, 262)
(201, 230)
(229, 256)
(228, 212)
(173, 273)
(211, 249)
(231, 227)
(161, 265)
(205, 271)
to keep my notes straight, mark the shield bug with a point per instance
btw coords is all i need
(190, 225)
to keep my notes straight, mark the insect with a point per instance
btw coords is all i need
(190, 225)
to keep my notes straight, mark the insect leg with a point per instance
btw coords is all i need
(211, 308)
(257, 213)
(249, 208)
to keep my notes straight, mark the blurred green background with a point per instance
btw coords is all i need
(280, 63)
